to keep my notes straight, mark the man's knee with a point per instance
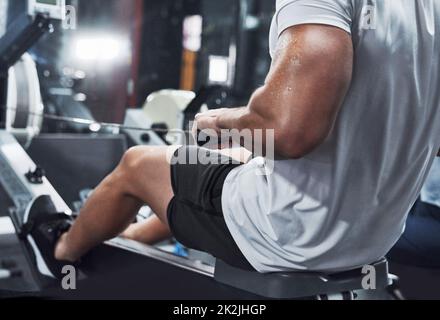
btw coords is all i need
(132, 157)
(140, 168)
(143, 160)
(132, 166)
(135, 159)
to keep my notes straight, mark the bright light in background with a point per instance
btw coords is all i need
(192, 33)
(100, 48)
(218, 70)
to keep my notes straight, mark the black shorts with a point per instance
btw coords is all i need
(195, 213)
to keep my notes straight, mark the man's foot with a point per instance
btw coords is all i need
(42, 228)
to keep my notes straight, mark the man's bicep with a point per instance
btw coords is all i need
(310, 75)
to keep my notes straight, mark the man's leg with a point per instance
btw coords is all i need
(152, 230)
(142, 177)
(149, 231)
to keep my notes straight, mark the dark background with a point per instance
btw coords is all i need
(154, 30)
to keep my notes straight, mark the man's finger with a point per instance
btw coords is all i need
(207, 123)
(210, 113)
(194, 130)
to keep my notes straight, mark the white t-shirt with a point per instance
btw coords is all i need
(345, 205)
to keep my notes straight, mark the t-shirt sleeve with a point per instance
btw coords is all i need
(337, 13)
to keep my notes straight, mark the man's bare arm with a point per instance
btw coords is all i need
(304, 90)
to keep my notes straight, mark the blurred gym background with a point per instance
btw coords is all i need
(121, 52)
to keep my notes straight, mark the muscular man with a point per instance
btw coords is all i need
(353, 98)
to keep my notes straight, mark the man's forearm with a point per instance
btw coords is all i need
(251, 117)
(242, 119)
(232, 118)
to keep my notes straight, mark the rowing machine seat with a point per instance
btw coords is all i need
(295, 285)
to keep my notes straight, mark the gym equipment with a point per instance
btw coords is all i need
(166, 115)
(19, 86)
(164, 107)
(23, 96)
(51, 8)
(296, 285)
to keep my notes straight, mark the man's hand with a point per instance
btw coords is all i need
(208, 120)
(206, 123)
